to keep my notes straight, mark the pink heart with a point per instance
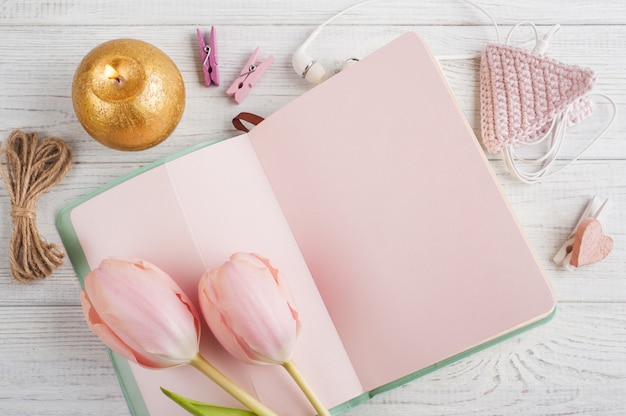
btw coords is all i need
(590, 245)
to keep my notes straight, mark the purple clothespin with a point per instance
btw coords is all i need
(249, 76)
(208, 54)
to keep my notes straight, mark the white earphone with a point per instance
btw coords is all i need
(311, 70)
(304, 65)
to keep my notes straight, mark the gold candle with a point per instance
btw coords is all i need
(128, 94)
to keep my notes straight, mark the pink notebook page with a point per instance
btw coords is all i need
(398, 215)
(191, 214)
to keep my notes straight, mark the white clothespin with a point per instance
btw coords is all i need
(595, 209)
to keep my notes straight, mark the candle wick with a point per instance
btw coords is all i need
(114, 76)
(118, 82)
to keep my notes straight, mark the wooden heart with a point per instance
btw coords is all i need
(590, 245)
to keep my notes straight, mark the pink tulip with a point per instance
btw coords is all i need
(248, 307)
(249, 310)
(141, 313)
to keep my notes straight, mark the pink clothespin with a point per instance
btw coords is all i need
(249, 76)
(208, 54)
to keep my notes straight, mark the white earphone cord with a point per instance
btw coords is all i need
(557, 129)
(365, 3)
(556, 132)
(557, 135)
(308, 67)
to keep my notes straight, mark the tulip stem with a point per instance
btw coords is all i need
(230, 387)
(293, 371)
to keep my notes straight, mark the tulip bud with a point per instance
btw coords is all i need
(141, 313)
(248, 307)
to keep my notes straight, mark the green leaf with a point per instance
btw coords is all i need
(204, 409)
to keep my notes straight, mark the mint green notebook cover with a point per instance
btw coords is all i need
(276, 150)
(127, 382)
(123, 372)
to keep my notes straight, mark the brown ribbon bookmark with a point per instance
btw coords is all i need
(247, 117)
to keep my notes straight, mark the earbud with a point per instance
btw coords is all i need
(348, 63)
(304, 64)
(307, 67)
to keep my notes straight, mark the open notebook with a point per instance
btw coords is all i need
(375, 200)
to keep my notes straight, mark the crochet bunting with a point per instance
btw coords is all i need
(522, 92)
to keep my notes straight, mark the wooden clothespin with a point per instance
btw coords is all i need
(208, 55)
(249, 76)
(586, 243)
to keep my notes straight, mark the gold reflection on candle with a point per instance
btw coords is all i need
(128, 94)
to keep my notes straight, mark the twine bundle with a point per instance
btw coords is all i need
(32, 168)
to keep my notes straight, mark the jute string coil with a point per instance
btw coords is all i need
(32, 168)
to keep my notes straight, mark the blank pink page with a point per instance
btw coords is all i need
(190, 214)
(399, 216)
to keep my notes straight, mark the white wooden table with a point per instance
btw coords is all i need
(51, 364)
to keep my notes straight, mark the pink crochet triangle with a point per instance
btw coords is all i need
(521, 93)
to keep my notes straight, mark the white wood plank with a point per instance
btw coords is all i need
(547, 212)
(548, 370)
(51, 364)
(38, 98)
(574, 364)
(240, 12)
